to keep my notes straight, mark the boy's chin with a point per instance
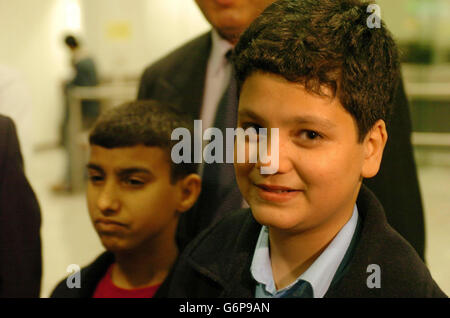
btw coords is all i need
(279, 218)
(114, 245)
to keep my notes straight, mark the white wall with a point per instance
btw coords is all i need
(31, 33)
(29, 42)
(145, 30)
(419, 20)
(124, 36)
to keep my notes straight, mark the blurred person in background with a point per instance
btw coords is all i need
(198, 79)
(85, 74)
(20, 221)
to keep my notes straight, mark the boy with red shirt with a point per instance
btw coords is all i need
(135, 196)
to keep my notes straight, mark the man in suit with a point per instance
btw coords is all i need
(20, 221)
(194, 78)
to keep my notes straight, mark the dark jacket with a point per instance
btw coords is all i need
(86, 75)
(217, 263)
(20, 221)
(179, 79)
(90, 276)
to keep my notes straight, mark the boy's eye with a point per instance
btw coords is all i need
(134, 182)
(254, 129)
(95, 178)
(245, 126)
(309, 135)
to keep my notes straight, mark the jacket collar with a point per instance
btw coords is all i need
(183, 85)
(227, 261)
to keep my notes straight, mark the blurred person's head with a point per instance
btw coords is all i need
(71, 42)
(135, 192)
(231, 17)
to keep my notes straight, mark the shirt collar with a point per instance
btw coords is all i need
(220, 47)
(261, 267)
(319, 274)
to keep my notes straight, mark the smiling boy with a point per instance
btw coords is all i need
(317, 72)
(135, 195)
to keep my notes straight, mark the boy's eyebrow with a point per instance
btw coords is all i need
(306, 119)
(251, 114)
(132, 170)
(94, 167)
(121, 172)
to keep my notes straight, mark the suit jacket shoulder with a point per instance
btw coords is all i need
(178, 78)
(382, 251)
(20, 221)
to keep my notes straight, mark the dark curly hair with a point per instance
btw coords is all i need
(144, 122)
(325, 43)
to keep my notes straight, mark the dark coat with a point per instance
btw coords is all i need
(179, 79)
(20, 221)
(217, 263)
(86, 75)
(90, 276)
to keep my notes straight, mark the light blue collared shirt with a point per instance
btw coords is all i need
(319, 275)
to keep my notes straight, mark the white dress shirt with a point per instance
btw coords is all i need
(218, 74)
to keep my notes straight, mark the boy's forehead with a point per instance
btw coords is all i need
(291, 120)
(288, 100)
(150, 157)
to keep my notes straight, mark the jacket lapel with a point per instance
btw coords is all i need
(366, 251)
(184, 86)
(232, 273)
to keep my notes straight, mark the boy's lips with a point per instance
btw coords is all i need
(225, 3)
(108, 225)
(276, 193)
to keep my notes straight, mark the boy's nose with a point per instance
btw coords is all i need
(279, 155)
(108, 201)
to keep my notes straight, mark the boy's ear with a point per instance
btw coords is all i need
(374, 143)
(190, 187)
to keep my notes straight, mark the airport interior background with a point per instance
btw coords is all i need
(125, 36)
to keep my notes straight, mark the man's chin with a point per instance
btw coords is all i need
(230, 34)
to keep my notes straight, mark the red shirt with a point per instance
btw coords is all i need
(107, 289)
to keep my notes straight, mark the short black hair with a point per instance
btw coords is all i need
(325, 43)
(71, 41)
(144, 122)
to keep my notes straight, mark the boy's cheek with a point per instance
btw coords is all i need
(91, 196)
(242, 171)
